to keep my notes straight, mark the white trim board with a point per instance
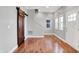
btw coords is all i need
(48, 33)
(12, 50)
(58, 36)
(66, 42)
(34, 36)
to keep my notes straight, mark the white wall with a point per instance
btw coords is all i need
(71, 37)
(8, 28)
(37, 23)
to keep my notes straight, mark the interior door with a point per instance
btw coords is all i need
(20, 26)
(72, 31)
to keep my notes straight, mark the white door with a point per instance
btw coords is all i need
(72, 29)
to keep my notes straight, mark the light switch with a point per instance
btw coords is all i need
(8, 26)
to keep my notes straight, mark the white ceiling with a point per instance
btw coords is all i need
(44, 8)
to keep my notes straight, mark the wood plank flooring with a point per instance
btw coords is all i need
(48, 44)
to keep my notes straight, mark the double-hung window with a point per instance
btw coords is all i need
(59, 24)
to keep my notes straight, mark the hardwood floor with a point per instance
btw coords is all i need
(48, 44)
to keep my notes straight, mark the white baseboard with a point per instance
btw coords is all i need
(12, 50)
(66, 42)
(48, 33)
(34, 36)
(61, 38)
(58, 36)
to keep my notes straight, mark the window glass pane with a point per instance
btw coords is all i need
(56, 23)
(61, 26)
(61, 23)
(61, 19)
(74, 15)
(48, 21)
(48, 25)
(69, 18)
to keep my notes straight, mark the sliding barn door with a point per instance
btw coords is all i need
(20, 26)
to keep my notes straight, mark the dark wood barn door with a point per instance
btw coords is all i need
(20, 26)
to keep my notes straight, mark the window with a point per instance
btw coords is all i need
(61, 23)
(56, 23)
(48, 23)
(72, 17)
